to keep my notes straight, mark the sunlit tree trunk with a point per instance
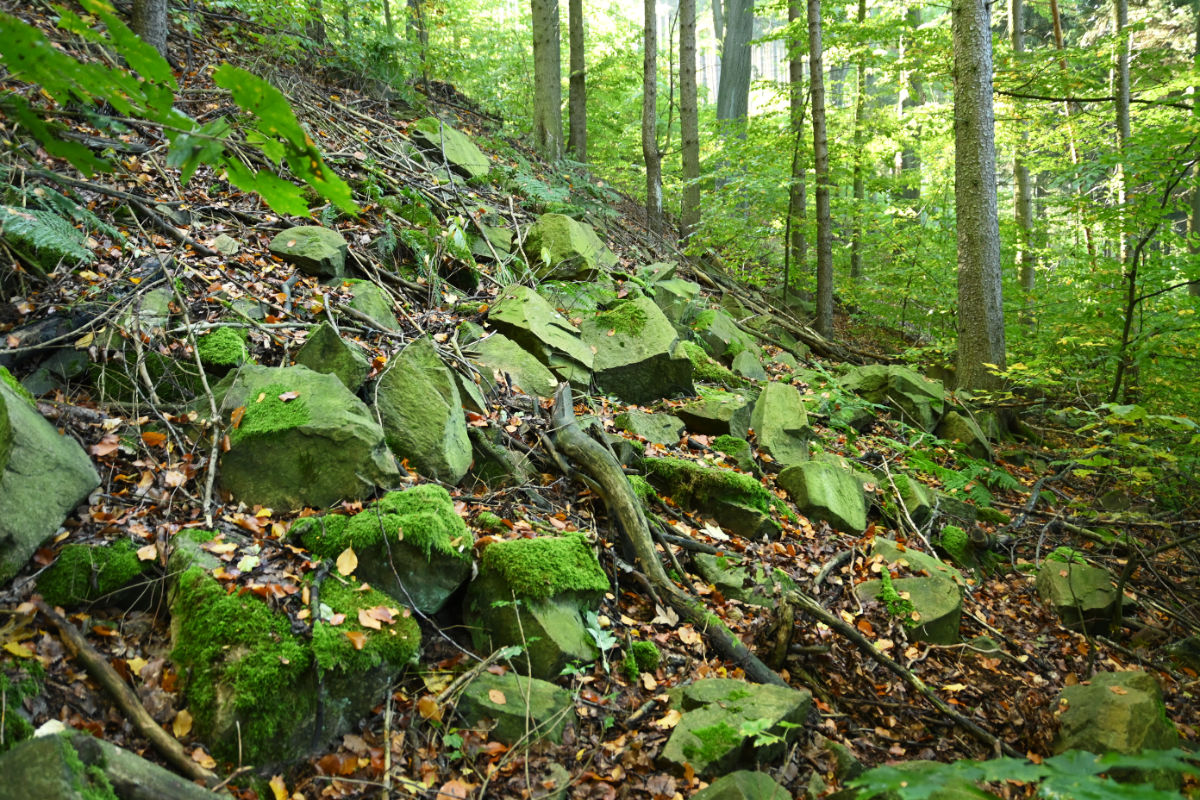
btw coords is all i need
(547, 80)
(577, 85)
(314, 27)
(860, 108)
(149, 21)
(1025, 261)
(1072, 149)
(689, 119)
(824, 323)
(718, 15)
(980, 293)
(733, 90)
(911, 95)
(650, 119)
(1194, 240)
(1121, 19)
(797, 195)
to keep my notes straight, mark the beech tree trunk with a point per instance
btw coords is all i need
(1023, 201)
(577, 84)
(149, 21)
(824, 322)
(650, 119)
(1121, 19)
(733, 90)
(719, 25)
(314, 28)
(860, 108)
(1194, 241)
(980, 294)
(911, 94)
(797, 195)
(547, 80)
(689, 120)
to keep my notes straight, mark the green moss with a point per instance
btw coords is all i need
(625, 318)
(730, 445)
(897, 606)
(956, 544)
(544, 567)
(422, 516)
(90, 781)
(492, 523)
(646, 654)
(992, 515)
(642, 490)
(1066, 555)
(691, 484)
(224, 347)
(16, 386)
(267, 414)
(715, 741)
(86, 573)
(394, 644)
(237, 646)
(705, 368)
(15, 690)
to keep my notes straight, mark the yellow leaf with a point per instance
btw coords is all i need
(278, 787)
(497, 697)
(357, 638)
(669, 721)
(181, 726)
(954, 687)
(147, 553)
(136, 664)
(648, 682)
(428, 708)
(347, 562)
(19, 650)
(366, 620)
(202, 758)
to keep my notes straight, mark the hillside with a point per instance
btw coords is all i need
(523, 409)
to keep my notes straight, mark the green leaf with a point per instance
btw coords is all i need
(282, 196)
(78, 155)
(204, 146)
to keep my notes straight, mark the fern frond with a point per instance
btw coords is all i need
(43, 236)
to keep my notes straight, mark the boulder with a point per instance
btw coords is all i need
(743, 785)
(313, 250)
(536, 593)
(749, 366)
(720, 335)
(444, 142)
(497, 354)
(637, 354)
(664, 429)
(743, 581)
(579, 297)
(263, 694)
(780, 424)
(298, 438)
(411, 545)
(678, 299)
(6, 434)
(326, 352)
(528, 319)
(930, 607)
(737, 501)
(90, 573)
(418, 402)
(918, 401)
(1081, 595)
(559, 247)
(707, 369)
(521, 709)
(371, 301)
(739, 451)
(960, 428)
(717, 413)
(919, 500)
(222, 349)
(914, 560)
(822, 490)
(498, 237)
(716, 732)
(46, 476)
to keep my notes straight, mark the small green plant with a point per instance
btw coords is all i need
(765, 733)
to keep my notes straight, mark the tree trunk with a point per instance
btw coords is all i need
(860, 108)
(1121, 19)
(719, 25)
(1072, 150)
(650, 119)
(1023, 201)
(689, 120)
(1194, 241)
(577, 94)
(547, 80)
(824, 323)
(314, 27)
(797, 201)
(733, 90)
(980, 294)
(149, 20)
(912, 89)
(389, 24)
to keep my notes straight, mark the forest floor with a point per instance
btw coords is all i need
(154, 486)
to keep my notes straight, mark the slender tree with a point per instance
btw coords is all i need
(797, 252)
(1121, 76)
(911, 94)
(733, 89)
(980, 294)
(314, 26)
(577, 84)
(547, 79)
(1194, 240)
(1023, 200)
(860, 108)
(689, 120)
(718, 15)
(149, 21)
(650, 152)
(824, 322)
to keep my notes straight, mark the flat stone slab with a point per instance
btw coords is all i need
(936, 603)
(313, 250)
(662, 429)
(521, 708)
(824, 491)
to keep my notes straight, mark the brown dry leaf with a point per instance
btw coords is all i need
(357, 638)
(1118, 690)
(688, 635)
(288, 397)
(455, 790)
(367, 621)
(428, 708)
(669, 721)
(347, 562)
(236, 416)
(203, 759)
(497, 697)
(174, 478)
(181, 726)
(382, 613)
(648, 682)
(147, 553)
(278, 787)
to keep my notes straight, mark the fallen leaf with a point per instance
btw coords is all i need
(288, 397)
(648, 682)
(278, 787)
(428, 708)
(367, 621)
(181, 726)
(497, 697)
(236, 417)
(1118, 690)
(174, 478)
(670, 720)
(357, 638)
(153, 438)
(147, 553)
(347, 562)
(136, 664)
(202, 758)
(688, 635)
(455, 790)
(19, 650)
(954, 687)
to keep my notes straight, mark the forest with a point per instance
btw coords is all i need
(698, 399)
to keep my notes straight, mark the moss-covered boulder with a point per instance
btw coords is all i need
(559, 247)
(373, 302)
(450, 145)
(678, 299)
(749, 365)
(637, 353)
(737, 501)
(914, 561)
(929, 606)
(6, 434)
(298, 438)
(662, 429)
(743, 580)
(919, 501)
(707, 369)
(739, 452)
(45, 477)
(520, 709)
(918, 401)
(1081, 595)
(720, 719)
(822, 490)
(960, 428)
(410, 545)
(743, 785)
(222, 350)
(419, 405)
(327, 352)
(780, 424)
(85, 573)
(717, 413)
(720, 335)
(263, 694)
(528, 319)
(535, 593)
(499, 355)
(313, 250)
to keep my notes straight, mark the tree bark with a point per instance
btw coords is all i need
(1121, 20)
(577, 85)
(797, 196)
(314, 27)
(733, 90)
(650, 152)
(1023, 201)
(719, 25)
(1194, 231)
(149, 21)
(547, 79)
(689, 120)
(912, 90)
(824, 321)
(980, 293)
(860, 108)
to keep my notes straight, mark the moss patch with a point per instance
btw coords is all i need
(715, 741)
(691, 484)
(1066, 555)
(540, 568)
(897, 606)
(992, 515)
(224, 347)
(89, 781)
(394, 643)
(625, 318)
(15, 689)
(704, 368)
(86, 573)
(642, 490)
(492, 523)
(16, 386)
(641, 656)
(267, 414)
(956, 544)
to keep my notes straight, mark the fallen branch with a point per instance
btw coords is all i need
(98, 667)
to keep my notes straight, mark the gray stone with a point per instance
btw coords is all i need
(656, 273)
(936, 603)
(823, 491)
(565, 249)
(720, 335)
(528, 319)
(678, 299)
(522, 709)
(737, 501)
(743, 581)
(422, 414)
(46, 476)
(918, 401)
(780, 424)
(226, 245)
(1081, 595)
(326, 352)
(744, 785)
(716, 413)
(919, 500)
(915, 560)
(302, 440)
(459, 152)
(960, 428)
(500, 239)
(664, 429)
(499, 354)
(637, 354)
(313, 250)
(368, 299)
(748, 365)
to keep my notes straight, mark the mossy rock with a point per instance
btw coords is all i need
(914, 560)
(371, 301)
(737, 501)
(313, 250)
(743, 785)
(1081, 595)
(85, 573)
(963, 430)
(716, 413)
(720, 335)
(709, 370)
(917, 401)
(222, 349)
(780, 424)
(824, 491)
(411, 545)
(748, 365)
(743, 581)
(173, 379)
(6, 434)
(528, 319)
(562, 248)
(498, 353)
(663, 429)
(637, 354)
(326, 352)
(443, 141)
(521, 709)
(18, 683)
(740, 451)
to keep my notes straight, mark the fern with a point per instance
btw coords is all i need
(42, 237)
(66, 207)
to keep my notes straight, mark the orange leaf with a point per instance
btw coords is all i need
(497, 697)
(236, 416)
(455, 790)
(367, 621)
(428, 708)
(347, 562)
(153, 438)
(202, 758)
(357, 638)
